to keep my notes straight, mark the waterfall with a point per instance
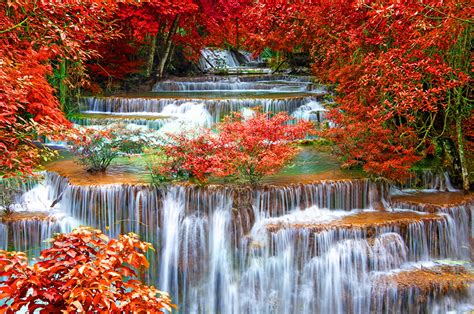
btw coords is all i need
(341, 194)
(266, 84)
(217, 58)
(428, 180)
(34, 218)
(3, 237)
(306, 248)
(173, 211)
(223, 291)
(312, 111)
(218, 108)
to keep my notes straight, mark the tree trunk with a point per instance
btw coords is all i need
(170, 58)
(62, 89)
(168, 45)
(151, 56)
(462, 156)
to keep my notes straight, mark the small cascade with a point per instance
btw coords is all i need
(420, 287)
(3, 237)
(217, 108)
(266, 84)
(217, 58)
(340, 194)
(331, 270)
(428, 180)
(184, 104)
(457, 214)
(312, 111)
(29, 233)
(35, 217)
(232, 84)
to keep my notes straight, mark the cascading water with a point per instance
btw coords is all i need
(429, 181)
(204, 101)
(217, 58)
(312, 111)
(304, 107)
(236, 83)
(35, 217)
(272, 250)
(173, 212)
(3, 236)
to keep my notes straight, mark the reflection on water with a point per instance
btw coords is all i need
(311, 165)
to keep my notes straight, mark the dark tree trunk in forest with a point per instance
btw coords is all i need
(167, 48)
(151, 56)
(462, 155)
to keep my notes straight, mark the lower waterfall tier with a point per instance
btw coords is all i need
(308, 248)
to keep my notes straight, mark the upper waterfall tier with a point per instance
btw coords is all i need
(306, 107)
(238, 83)
(190, 103)
(232, 61)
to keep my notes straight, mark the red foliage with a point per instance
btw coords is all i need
(34, 33)
(249, 149)
(82, 271)
(391, 63)
(190, 155)
(397, 66)
(258, 146)
(28, 108)
(118, 58)
(143, 24)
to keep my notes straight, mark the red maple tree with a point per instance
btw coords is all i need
(36, 37)
(241, 148)
(401, 72)
(83, 271)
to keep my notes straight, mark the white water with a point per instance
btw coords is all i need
(210, 264)
(312, 111)
(217, 58)
(203, 101)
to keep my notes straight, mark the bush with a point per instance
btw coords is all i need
(83, 271)
(95, 149)
(246, 149)
(185, 156)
